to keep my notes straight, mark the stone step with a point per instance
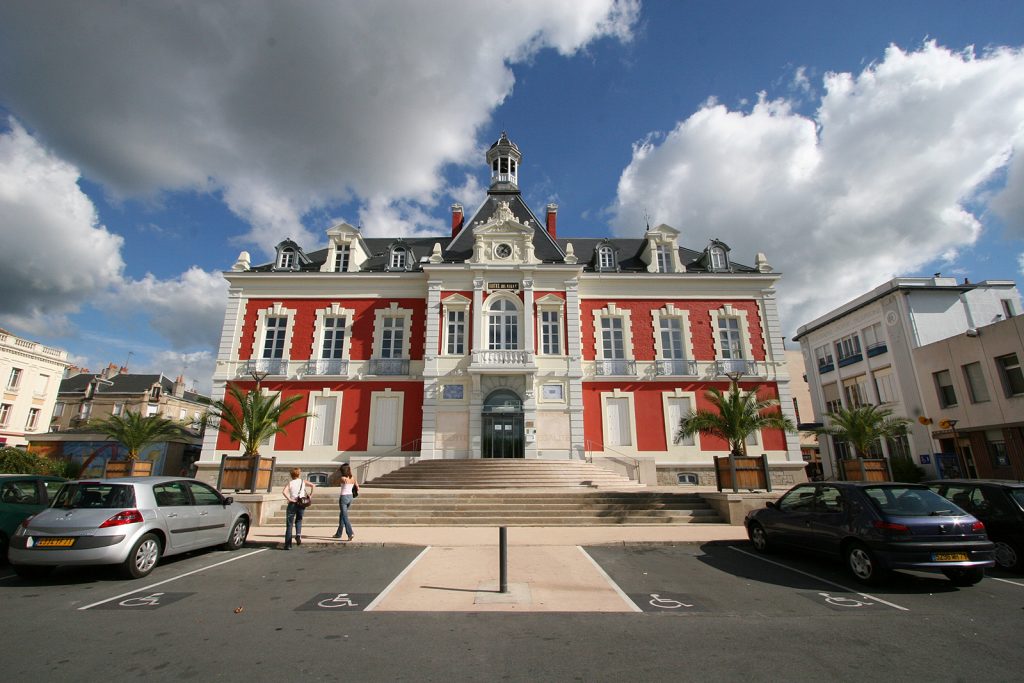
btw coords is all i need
(560, 520)
(479, 473)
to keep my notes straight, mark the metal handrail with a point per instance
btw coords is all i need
(588, 449)
(398, 449)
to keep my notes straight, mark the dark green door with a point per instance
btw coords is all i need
(503, 435)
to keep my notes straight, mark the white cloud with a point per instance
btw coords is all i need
(286, 107)
(55, 253)
(873, 186)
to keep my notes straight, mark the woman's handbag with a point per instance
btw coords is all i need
(302, 500)
(355, 490)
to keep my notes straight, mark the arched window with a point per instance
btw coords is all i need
(605, 258)
(717, 258)
(398, 259)
(503, 325)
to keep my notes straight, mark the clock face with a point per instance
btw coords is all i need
(503, 251)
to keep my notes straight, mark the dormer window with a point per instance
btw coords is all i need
(287, 259)
(341, 259)
(664, 260)
(717, 258)
(154, 393)
(606, 258)
(399, 259)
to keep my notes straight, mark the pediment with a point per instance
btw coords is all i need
(503, 240)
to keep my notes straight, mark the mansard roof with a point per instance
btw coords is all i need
(546, 249)
(628, 252)
(123, 384)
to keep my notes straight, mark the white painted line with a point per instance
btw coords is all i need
(173, 578)
(611, 583)
(995, 578)
(384, 593)
(818, 578)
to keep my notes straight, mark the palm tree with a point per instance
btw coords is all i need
(736, 416)
(862, 427)
(252, 417)
(135, 431)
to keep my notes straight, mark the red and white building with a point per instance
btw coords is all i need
(504, 340)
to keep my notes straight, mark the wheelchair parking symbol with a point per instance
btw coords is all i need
(338, 602)
(842, 603)
(665, 603)
(145, 601)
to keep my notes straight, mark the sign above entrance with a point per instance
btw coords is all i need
(503, 285)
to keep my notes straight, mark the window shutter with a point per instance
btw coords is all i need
(386, 423)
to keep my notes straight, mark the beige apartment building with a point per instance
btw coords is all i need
(973, 391)
(85, 396)
(30, 374)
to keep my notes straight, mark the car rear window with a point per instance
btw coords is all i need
(95, 495)
(906, 501)
(1018, 497)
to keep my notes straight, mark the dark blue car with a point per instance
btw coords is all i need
(876, 527)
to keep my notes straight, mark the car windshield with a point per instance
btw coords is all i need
(95, 495)
(907, 501)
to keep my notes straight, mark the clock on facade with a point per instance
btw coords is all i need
(503, 251)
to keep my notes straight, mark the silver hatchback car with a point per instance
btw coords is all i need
(131, 522)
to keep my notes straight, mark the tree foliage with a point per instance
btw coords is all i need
(736, 416)
(863, 427)
(135, 431)
(251, 417)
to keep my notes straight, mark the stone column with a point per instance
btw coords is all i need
(574, 348)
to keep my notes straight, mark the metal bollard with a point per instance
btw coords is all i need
(503, 559)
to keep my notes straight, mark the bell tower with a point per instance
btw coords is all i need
(504, 158)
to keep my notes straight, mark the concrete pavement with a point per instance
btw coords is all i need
(458, 571)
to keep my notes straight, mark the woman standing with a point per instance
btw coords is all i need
(348, 482)
(292, 490)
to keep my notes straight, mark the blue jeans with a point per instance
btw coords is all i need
(343, 503)
(293, 516)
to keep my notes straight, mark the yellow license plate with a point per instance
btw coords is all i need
(55, 542)
(950, 557)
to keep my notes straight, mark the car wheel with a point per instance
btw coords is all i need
(759, 538)
(863, 564)
(1008, 556)
(143, 557)
(964, 576)
(238, 534)
(33, 571)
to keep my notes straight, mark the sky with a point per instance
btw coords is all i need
(144, 145)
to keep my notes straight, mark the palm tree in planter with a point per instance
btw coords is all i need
(863, 427)
(135, 431)
(250, 418)
(735, 417)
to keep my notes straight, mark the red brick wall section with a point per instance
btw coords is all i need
(700, 331)
(650, 414)
(362, 326)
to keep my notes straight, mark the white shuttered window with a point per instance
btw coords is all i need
(617, 416)
(385, 428)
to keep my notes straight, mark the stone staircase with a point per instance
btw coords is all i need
(377, 507)
(500, 473)
(505, 493)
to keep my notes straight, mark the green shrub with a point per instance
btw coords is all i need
(904, 469)
(17, 461)
(61, 467)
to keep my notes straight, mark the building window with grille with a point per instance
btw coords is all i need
(664, 260)
(717, 258)
(1012, 376)
(14, 379)
(944, 389)
(456, 331)
(848, 350)
(333, 346)
(399, 259)
(730, 342)
(273, 338)
(823, 354)
(341, 259)
(287, 259)
(974, 378)
(33, 419)
(5, 414)
(612, 338)
(551, 333)
(606, 258)
(392, 338)
(503, 325)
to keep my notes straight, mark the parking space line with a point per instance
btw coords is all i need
(996, 578)
(174, 578)
(818, 578)
(394, 582)
(615, 586)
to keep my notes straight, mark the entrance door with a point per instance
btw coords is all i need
(502, 426)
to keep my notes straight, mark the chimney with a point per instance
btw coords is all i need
(457, 219)
(552, 219)
(179, 386)
(109, 371)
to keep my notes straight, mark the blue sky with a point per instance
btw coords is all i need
(143, 146)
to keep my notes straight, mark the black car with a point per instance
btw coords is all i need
(1000, 505)
(876, 527)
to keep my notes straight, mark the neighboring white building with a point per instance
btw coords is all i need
(30, 376)
(862, 351)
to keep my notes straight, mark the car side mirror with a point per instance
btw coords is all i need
(771, 504)
(228, 500)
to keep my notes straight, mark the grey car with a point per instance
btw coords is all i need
(131, 522)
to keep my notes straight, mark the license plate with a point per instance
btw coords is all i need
(949, 557)
(54, 542)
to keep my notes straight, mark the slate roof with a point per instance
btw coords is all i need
(124, 384)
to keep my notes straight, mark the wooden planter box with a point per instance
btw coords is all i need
(124, 468)
(742, 472)
(239, 472)
(859, 469)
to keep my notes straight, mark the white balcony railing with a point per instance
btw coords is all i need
(615, 367)
(264, 366)
(327, 366)
(503, 357)
(676, 367)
